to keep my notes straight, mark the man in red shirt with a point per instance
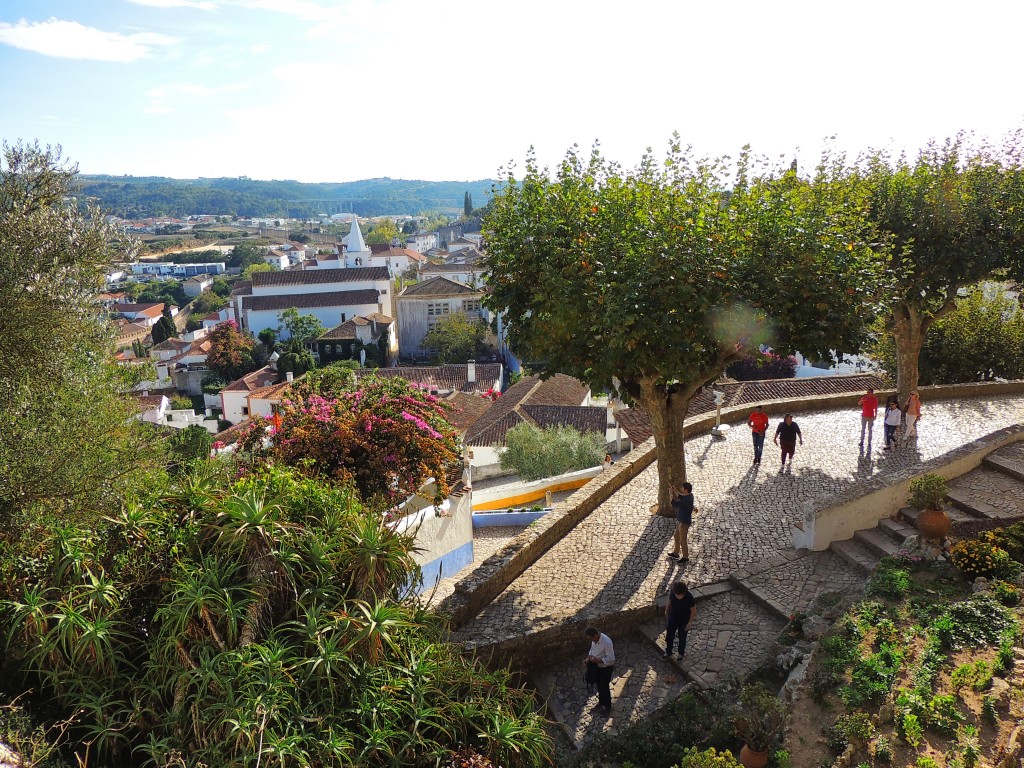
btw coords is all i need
(868, 412)
(758, 423)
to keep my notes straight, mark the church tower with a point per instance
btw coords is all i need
(357, 254)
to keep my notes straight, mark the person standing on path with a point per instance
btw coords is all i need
(682, 503)
(913, 412)
(787, 433)
(602, 656)
(893, 418)
(868, 413)
(758, 423)
(680, 612)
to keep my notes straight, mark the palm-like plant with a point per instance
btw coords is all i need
(378, 562)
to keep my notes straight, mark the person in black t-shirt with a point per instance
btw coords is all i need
(679, 614)
(787, 433)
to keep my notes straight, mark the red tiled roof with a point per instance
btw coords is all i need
(315, 276)
(637, 424)
(441, 378)
(438, 286)
(312, 300)
(264, 377)
(466, 409)
(582, 418)
(559, 390)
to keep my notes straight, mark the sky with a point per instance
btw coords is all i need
(341, 90)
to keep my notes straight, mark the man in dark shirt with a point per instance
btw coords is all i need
(682, 503)
(787, 433)
(679, 614)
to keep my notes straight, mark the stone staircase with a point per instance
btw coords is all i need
(992, 492)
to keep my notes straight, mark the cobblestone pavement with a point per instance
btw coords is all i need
(615, 558)
(795, 585)
(1003, 492)
(642, 684)
(731, 637)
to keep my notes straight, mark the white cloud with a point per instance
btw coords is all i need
(259, 48)
(199, 5)
(300, 9)
(71, 40)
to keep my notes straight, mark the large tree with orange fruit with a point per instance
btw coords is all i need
(662, 275)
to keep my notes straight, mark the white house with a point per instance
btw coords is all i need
(467, 274)
(397, 260)
(234, 398)
(330, 295)
(277, 259)
(421, 305)
(196, 285)
(421, 242)
(143, 314)
(152, 408)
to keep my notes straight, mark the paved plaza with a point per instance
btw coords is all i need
(615, 559)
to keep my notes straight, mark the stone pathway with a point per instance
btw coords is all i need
(486, 541)
(615, 559)
(643, 683)
(794, 585)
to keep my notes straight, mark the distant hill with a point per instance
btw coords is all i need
(141, 196)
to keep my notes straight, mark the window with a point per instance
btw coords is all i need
(471, 307)
(245, 410)
(435, 311)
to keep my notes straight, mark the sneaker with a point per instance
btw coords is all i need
(683, 559)
(679, 657)
(673, 555)
(666, 655)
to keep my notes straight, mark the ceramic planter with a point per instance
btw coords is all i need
(933, 524)
(751, 759)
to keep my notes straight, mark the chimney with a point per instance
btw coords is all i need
(145, 393)
(471, 371)
(289, 377)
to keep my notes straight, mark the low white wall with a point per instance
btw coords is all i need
(875, 500)
(517, 493)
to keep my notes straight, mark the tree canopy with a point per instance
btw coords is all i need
(661, 276)
(231, 352)
(456, 338)
(951, 217)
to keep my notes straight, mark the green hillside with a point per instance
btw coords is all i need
(140, 196)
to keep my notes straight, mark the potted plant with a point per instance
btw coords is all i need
(760, 720)
(927, 493)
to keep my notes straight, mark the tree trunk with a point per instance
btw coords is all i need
(667, 410)
(908, 331)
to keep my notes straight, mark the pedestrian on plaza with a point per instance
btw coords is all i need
(758, 423)
(913, 412)
(893, 419)
(787, 433)
(868, 413)
(601, 661)
(682, 503)
(680, 611)
(608, 461)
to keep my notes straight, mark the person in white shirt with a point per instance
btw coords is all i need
(602, 657)
(893, 418)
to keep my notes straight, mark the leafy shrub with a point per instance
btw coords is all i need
(181, 403)
(928, 491)
(761, 717)
(881, 750)
(923, 761)
(538, 453)
(988, 709)
(709, 758)
(910, 729)
(979, 620)
(1004, 656)
(943, 717)
(980, 558)
(1005, 592)
(889, 582)
(977, 675)
(872, 678)
(1010, 539)
(853, 728)
(969, 746)
(762, 365)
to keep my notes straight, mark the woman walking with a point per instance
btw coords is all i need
(913, 411)
(893, 418)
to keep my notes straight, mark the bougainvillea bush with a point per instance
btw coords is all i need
(386, 436)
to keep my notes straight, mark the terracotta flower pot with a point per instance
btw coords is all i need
(933, 523)
(751, 759)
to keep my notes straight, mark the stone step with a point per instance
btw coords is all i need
(910, 514)
(877, 542)
(975, 506)
(897, 530)
(856, 554)
(731, 636)
(1004, 464)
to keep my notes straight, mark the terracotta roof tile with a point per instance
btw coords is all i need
(437, 286)
(441, 378)
(318, 276)
(312, 300)
(466, 409)
(264, 377)
(582, 418)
